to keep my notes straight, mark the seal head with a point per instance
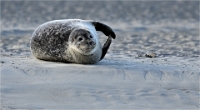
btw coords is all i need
(82, 41)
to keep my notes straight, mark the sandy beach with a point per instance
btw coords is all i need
(125, 78)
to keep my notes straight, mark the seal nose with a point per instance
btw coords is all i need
(90, 43)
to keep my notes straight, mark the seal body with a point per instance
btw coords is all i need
(70, 40)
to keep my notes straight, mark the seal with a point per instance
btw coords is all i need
(71, 40)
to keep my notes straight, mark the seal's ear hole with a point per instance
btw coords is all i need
(91, 36)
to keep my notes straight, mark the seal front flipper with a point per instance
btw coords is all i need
(104, 28)
(105, 47)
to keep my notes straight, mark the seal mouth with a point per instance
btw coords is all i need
(86, 47)
(86, 50)
(83, 50)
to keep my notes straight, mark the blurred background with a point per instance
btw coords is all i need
(164, 27)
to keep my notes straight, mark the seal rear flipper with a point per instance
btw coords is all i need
(105, 47)
(104, 28)
(108, 32)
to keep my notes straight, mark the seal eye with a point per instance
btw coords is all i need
(80, 39)
(91, 36)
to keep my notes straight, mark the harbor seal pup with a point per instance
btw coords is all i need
(71, 40)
